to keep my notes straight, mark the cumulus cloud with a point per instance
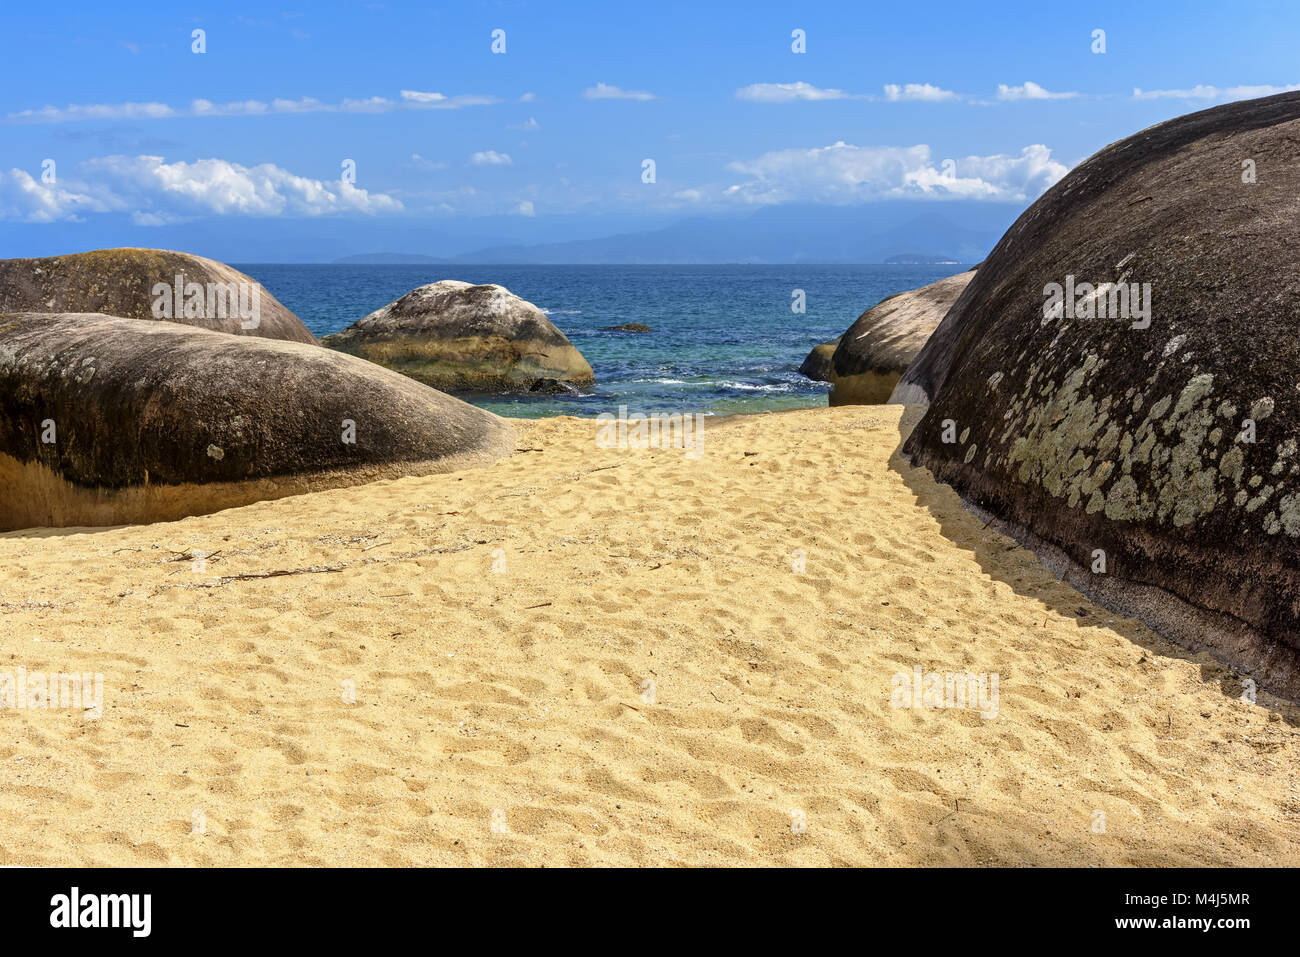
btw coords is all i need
(606, 91)
(843, 174)
(1030, 91)
(1202, 92)
(154, 191)
(490, 158)
(410, 99)
(786, 93)
(23, 198)
(525, 208)
(925, 92)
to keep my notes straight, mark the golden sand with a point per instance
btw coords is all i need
(504, 716)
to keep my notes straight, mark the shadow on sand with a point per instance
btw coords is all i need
(987, 538)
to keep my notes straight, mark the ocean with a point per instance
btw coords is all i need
(725, 339)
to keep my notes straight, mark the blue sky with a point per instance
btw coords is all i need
(547, 140)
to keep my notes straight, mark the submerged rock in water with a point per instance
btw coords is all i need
(105, 421)
(1118, 384)
(817, 364)
(881, 344)
(460, 337)
(149, 284)
(627, 327)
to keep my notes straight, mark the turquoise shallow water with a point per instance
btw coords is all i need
(725, 339)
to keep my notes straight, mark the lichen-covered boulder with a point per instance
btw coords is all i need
(149, 284)
(1120, 383)
(881, 344)
(459, 337)
(817, 364)
(106, 421)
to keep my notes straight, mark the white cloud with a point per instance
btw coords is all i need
(102, 111)
(525, 208)
(530, 125)
(1030, 91)
(842, 174)
(786, 93)
(1201, 92)
(24, 198)
(436, 101)
(528, 98)
(419, 162)
(490, 158)
(604, 91)
(411, 99)
(926, 92)
(154, 192)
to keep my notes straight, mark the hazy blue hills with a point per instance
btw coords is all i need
(917, 230)
(910, 233)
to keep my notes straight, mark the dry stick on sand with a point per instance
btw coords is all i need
(279, 573)
(190, 556)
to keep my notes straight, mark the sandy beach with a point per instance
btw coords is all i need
(587, 656)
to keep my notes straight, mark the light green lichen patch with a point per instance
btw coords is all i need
(1288, 514)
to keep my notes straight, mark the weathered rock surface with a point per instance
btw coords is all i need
(817, 364)
(459, 337)
(105, 420)
(125, 282)
(1155, 452)
(877, 349)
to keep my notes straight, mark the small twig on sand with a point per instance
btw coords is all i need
(542, 605)
(376, 545)
(956, 804)
(278, 573)
(192, 556)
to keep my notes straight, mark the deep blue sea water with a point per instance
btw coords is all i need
(725, 339)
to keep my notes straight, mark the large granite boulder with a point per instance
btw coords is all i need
(1120, 383)
(817, 364)
(105, 420)
(881, 344)
(150, 284)
(459, 337)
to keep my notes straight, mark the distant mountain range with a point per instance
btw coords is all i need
(904, 232)
(900, 231)
(388, 259)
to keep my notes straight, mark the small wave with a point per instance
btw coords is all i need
(752, 387)
(561, 312)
